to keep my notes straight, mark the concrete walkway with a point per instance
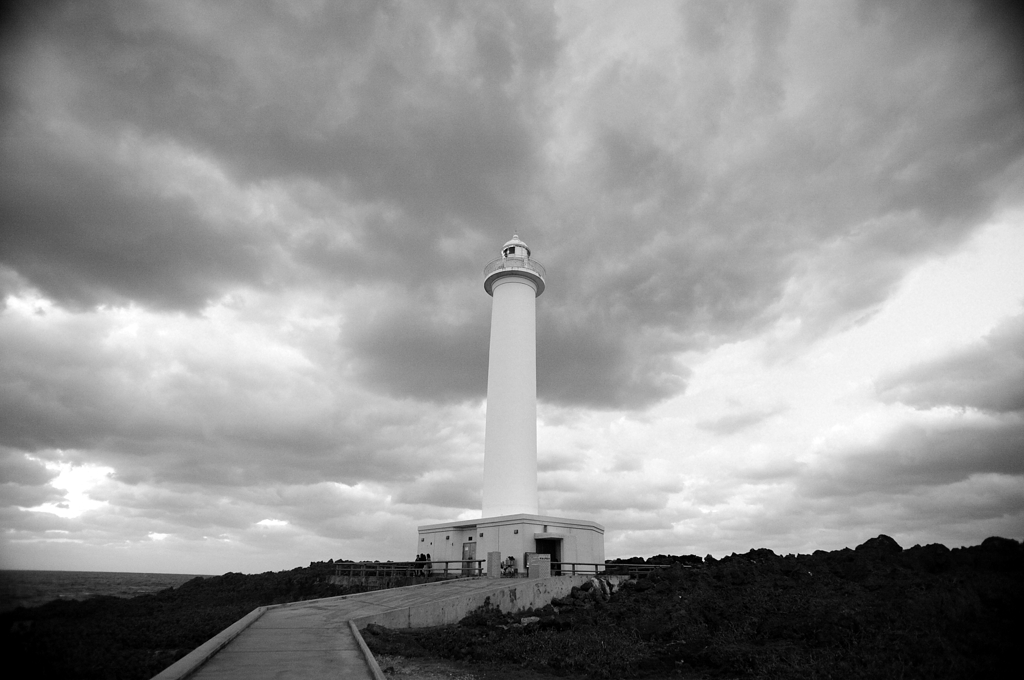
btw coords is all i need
(319, 638)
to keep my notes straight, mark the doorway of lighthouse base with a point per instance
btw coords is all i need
(553, 547)
(468, 554)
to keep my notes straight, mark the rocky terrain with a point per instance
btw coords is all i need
(875, 612)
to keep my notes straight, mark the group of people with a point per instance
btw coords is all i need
(423, 564)
(509, 568)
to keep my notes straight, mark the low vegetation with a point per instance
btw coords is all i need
(874, 612)
(108, 638)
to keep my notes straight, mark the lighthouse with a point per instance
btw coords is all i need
(515, 281)
(511, 528)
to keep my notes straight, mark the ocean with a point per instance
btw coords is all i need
(31, 588)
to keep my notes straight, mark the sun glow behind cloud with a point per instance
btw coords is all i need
(76, 482)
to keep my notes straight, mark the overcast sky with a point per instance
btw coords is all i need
(244, 328)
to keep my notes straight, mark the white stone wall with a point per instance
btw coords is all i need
(446, 544)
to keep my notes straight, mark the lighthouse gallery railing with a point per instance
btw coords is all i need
(514, 263)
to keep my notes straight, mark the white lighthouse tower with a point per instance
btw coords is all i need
(510, 446)
(511, 525)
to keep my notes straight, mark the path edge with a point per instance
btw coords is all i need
(371, 661)
(191, 662)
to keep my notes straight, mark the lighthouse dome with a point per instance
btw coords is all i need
(514, 260)
(515, 247)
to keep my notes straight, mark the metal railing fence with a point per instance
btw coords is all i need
(380, 575)
(603, 568)
(387, 572)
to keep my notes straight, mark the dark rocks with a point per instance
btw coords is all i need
(594, 592)
(934, 558)
(1006, 546)
(998, 553)
(879, 546)
(675, 559)
(665, 560)
(761, 554)
(602, 588)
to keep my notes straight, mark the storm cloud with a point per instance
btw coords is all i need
(241, 249)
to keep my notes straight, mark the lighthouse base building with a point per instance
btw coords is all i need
(512, 531)
(570, 543)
